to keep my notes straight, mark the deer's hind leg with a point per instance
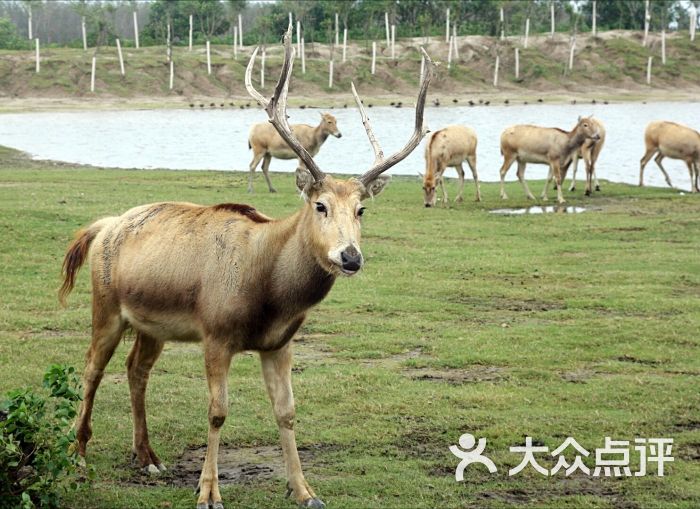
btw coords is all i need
(143, 356)
(257, 157)
(277, 371)
(107, 329)
(471, 161)
(460, 176)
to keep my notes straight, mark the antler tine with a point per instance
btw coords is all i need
(381, 164)
(276, 106)
(378, 153)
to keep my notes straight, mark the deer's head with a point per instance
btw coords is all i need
(333, 209)
(588, 128)
(329, 125)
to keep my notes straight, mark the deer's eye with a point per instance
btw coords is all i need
(320, 207)
(360, 212)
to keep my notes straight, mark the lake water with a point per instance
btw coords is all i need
(217, 138)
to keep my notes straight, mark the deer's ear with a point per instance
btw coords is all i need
(376, 186)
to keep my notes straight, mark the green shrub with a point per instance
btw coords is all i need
(36, 442)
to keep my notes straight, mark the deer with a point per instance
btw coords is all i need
(237, 281)
(589, 152)
(668, 139)
(449, 146)
(266, 143)
(543, 145)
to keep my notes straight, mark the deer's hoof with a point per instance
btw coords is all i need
(459, 200)
(217, 505)
(151, 469)
(597, 188)
(313, 503)
(588, 192)
(273, 190)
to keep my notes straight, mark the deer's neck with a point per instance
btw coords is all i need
(320, 135)
(575, 140)
(297, 280)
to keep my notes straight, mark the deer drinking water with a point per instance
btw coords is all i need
(668, 139)
(237, 280)
(267, 143)
(449, 146)
(543, 145)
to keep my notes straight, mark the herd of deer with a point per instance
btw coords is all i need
(237, 280)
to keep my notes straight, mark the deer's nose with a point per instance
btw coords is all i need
(352, 259)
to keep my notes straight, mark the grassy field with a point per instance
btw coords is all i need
(583, 325)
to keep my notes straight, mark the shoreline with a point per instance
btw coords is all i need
(335, 101)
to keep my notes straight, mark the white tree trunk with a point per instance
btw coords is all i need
(495, 71)
(572, 49)
(298, 36)
(240, 30)
(551, 14)
(191, 28)
(517, 63)
(38, 61)
(235, 42)
(172, 74)
(647, 19)
(209, 57)
(393, 42)
(386, 26)
(345, 43)
(503, 25)
(84, 30)
(693, 13)
(649, 70)
(330, 74)
(169, 48)
(449, 51)
(447, 26)
(527, 31)
(455, 42)
(136, 30)
(92, 74)
(337, 31)
(29, 24)
(594, 20)
(663, 47)
(121, 57)
(303, 56)
(374, 56)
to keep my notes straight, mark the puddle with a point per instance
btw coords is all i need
(550, 209)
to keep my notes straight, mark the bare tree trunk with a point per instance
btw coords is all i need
(447, 26)
(527, 31)
(121, 57)
(345, 43)
(517, 63)
(38, 64)
(84, 30)
(649, 70)
(191, 29)
(136, 30)
(374, 56)
(209, 57)
(495, 71)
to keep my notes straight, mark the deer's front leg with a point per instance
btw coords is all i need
(277, 371)
(217, 358)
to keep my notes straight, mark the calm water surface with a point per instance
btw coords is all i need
(217, 139)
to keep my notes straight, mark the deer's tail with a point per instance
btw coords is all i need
(75, 257)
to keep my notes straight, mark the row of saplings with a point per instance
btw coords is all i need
(454, 144)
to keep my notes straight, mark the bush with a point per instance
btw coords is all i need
(36, 442)
(9, 38)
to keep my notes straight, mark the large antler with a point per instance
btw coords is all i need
(276, 106)
(380, 163)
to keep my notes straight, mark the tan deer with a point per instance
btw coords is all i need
(589, 152)
(668, 139)
(267, 143)
(543, 145)
(229, 277)
(449, 146)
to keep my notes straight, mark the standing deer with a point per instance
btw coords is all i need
(449, 146)
(237, 280)
(267, 143)
(668, 139)
(589, 152)
(543, 145)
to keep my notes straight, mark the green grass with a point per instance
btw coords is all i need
(549, 326)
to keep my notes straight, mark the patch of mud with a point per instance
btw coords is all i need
(474, 374)
(691, 425)
(496, 303)
(238, 465)
(581, 376)
(49, 333)
(629, 358)
(689, 452)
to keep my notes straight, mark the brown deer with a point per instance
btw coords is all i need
(228, 276)
(449, 146)
(589, 152)
(543, 145)
(267, 143)
(668, 139)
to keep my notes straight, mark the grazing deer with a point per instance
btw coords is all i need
(668, 139)
(267, 143)
(589, 152)
(449, 146)
(543, 145)
(228, 276)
